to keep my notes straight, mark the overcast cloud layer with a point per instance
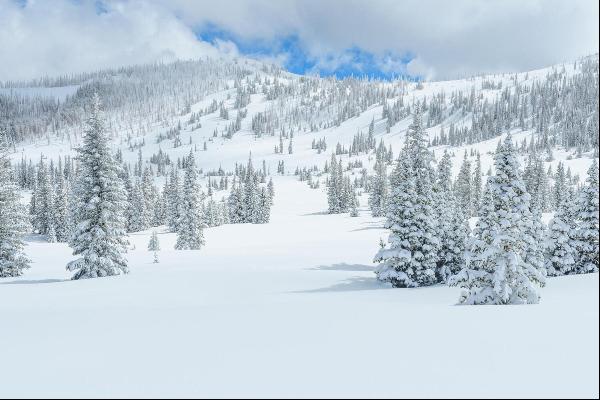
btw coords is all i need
(445, 38)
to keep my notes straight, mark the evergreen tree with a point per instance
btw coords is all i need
(561, 246)
(453, 228)
(251, 192)
(264, 206)
(137, 209)
(190, 226)
(410, 258)
(172, 200)
(560, 186)
(99, 238)
(587, 224)
(378, 197)
(476, 187)
(334, 187)
(502, 268)
(462, 187)
(13, 221)
(536, 182)
(154, 245)
(61, 205)
(236, 204)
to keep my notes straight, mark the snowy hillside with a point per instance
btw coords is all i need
(283, 296)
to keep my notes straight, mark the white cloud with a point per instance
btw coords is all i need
(448, 38)
(61, 36)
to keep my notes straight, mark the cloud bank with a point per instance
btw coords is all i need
(431, 38)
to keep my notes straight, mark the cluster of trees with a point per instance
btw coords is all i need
(341, 194)
(562, 109)
(133, 97)
(507, 257)
(93, 203)
(13, 219)
(249, 201)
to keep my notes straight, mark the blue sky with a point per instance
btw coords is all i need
(355, 61)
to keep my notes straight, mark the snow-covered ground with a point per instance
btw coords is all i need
(290, 308)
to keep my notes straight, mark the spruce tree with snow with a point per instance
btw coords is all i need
(13, 221)
(561, 247)
(410, 257)
(462, 187)
(154, 245)
(333, 187)
(476, 186)
(560, 189)
(453, 227)
(536, 182)
(190, 226)
(99, 238)
(172, 200)
(271, 189)
(354, 205)
(235, 204)
(251, 195)
(149, 197)
(503, 266)
(61, 205)
(587, 224)
(264, 206)
(137, 209)
(378, 197)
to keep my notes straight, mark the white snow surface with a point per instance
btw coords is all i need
(286, 309)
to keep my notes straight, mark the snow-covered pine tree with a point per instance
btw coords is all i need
(154, 245)
(378, 197)
(190, 226)
(235, 204)
(271, 189)
(172, 200)
(536, 182)
(61, 205)
(264, 206)
(150, 195)
(354, 205)
(334, 187)
(13, 220)
(560, 189)
(560, 244)
(587, 224)
(99, 238)
(410, 257)
(251, 192)
(137, 209)
(476, 186)
(453, 227)
(500, 269)
(462, 187)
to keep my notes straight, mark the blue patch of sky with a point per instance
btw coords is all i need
(355, 61)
